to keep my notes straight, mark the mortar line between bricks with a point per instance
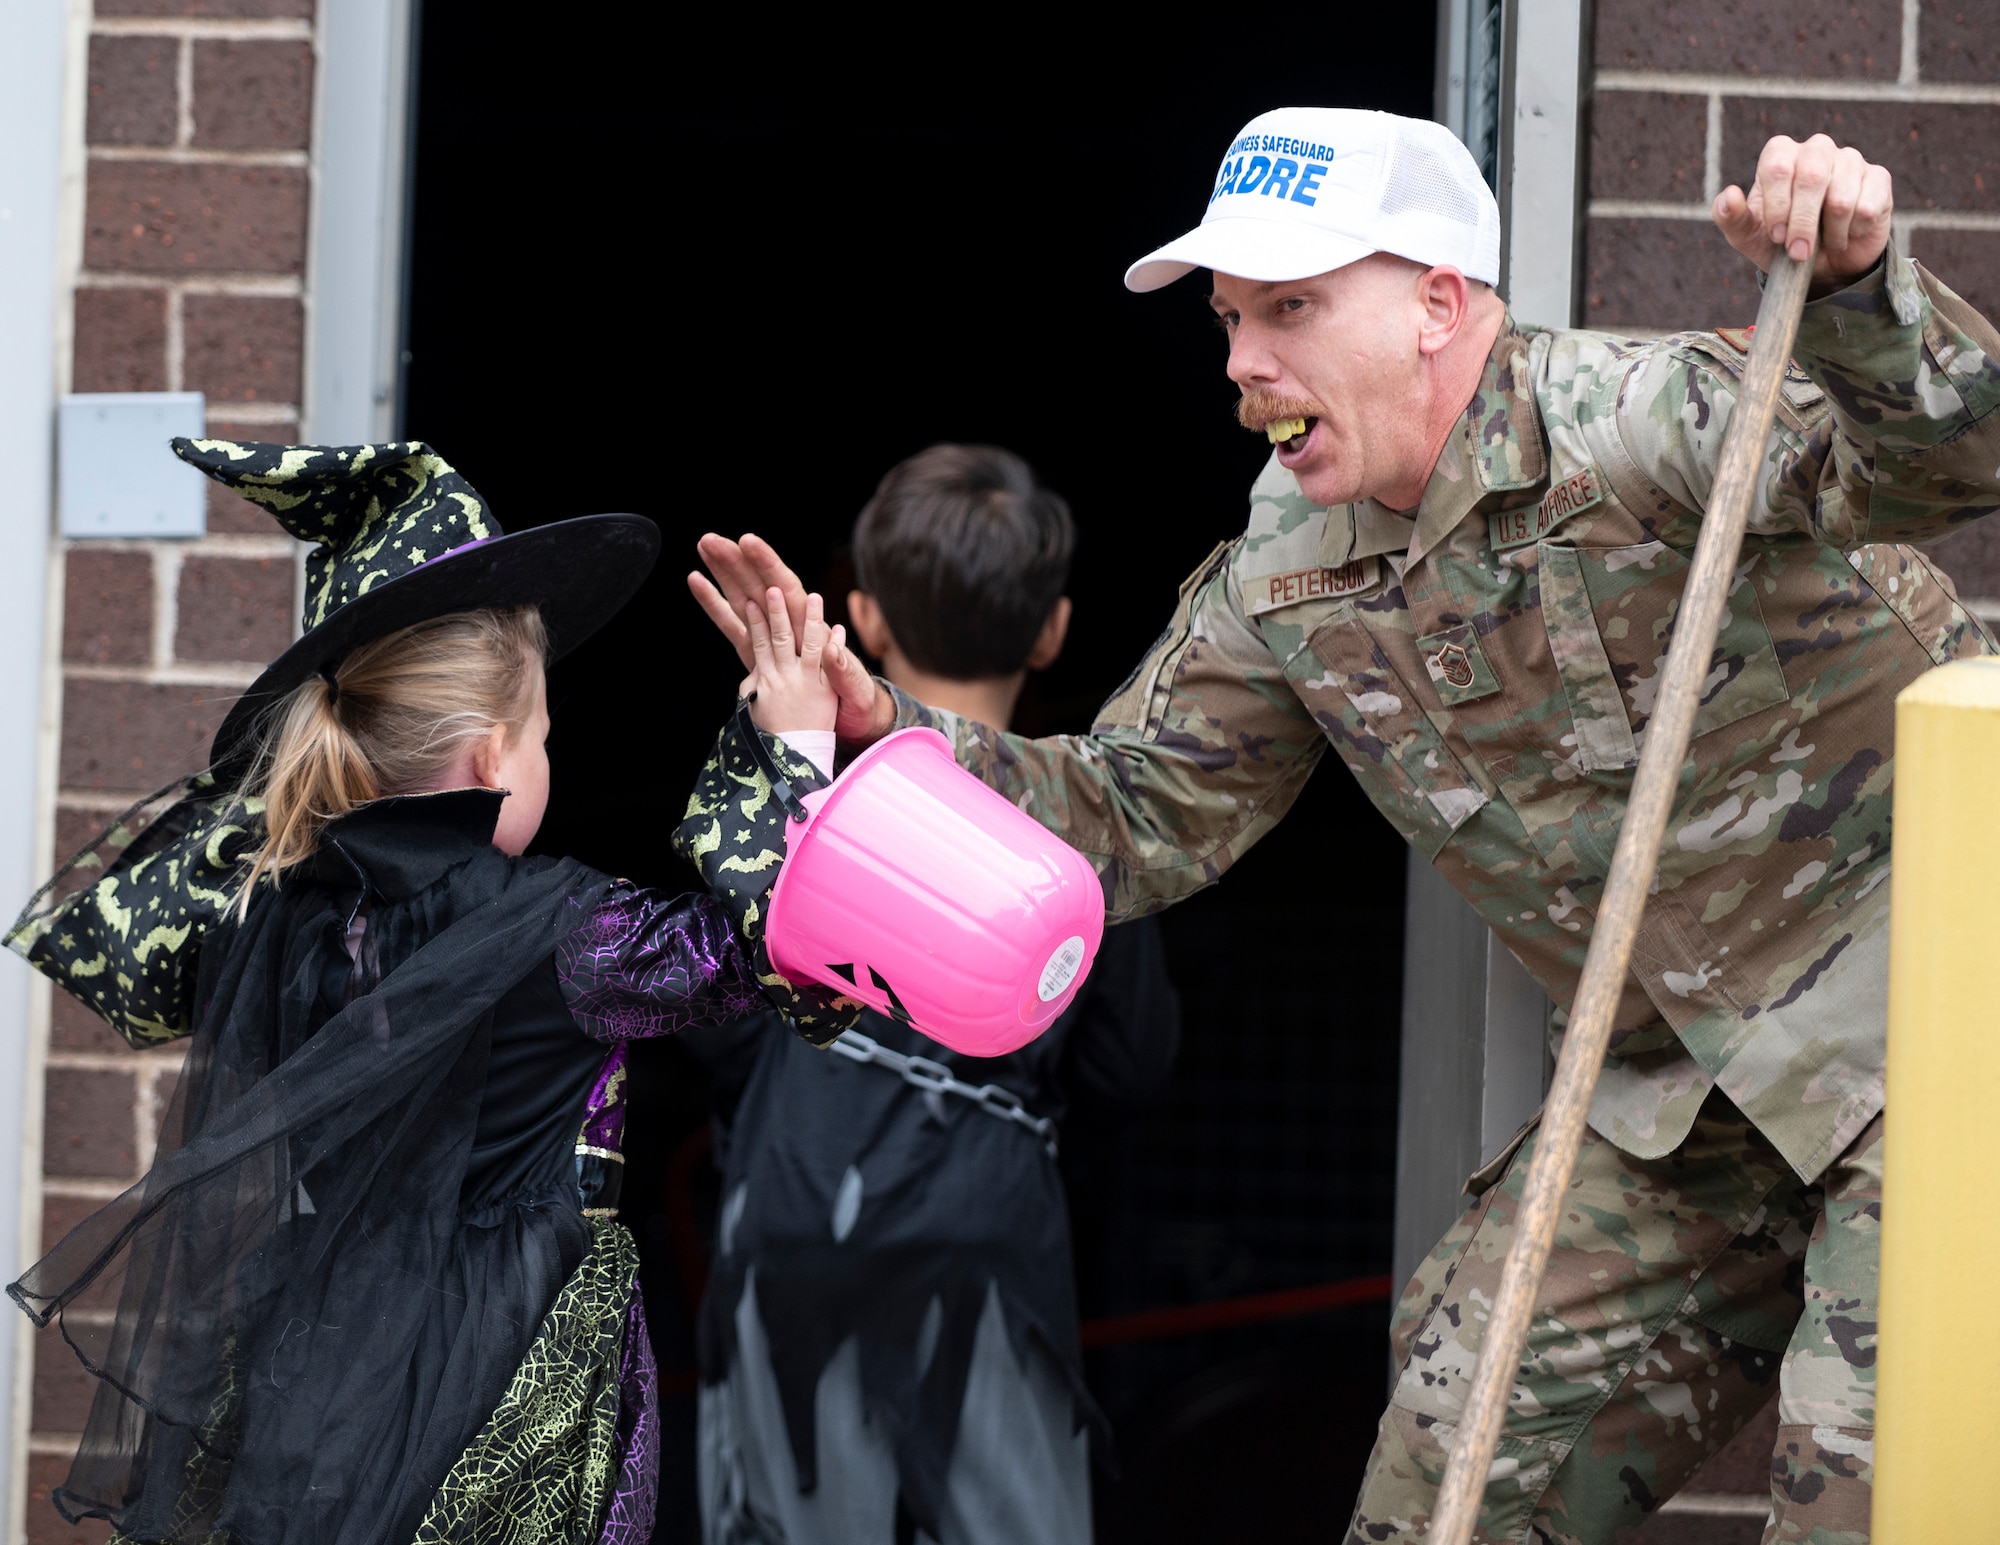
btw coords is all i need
(219, 544)
(1906, 219)
(1906, 70)
(1691, 84)
(87, 1190)
(253, 413)
(1711, 150)
(293, 29)
(255, 286)
(184, 93)
(95, 801)
(115, 1061)
(176, 313)
(181, 674)
(146, 1115)
(188, 155)
(166, 602)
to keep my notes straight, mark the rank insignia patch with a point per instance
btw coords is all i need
(1456, 665)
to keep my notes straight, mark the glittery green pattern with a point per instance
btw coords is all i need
(734, 833)
(126, 944)
(374, 511)
(541, 1470)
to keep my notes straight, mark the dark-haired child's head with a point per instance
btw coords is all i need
(961, 559)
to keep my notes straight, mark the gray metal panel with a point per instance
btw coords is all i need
(115, 475)
(1517, 1048)
(361, 147)
(33, 67)
(1442, 1093)
(1541, 195)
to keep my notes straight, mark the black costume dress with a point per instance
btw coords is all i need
(371, 1290)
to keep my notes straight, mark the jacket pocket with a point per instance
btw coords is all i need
(1610, 612)
(1141, 699)
(1379, 727)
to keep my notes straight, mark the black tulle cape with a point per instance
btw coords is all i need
(296, 1321)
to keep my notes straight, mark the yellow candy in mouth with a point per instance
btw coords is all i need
(1284, 429)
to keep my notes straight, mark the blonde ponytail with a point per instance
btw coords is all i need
(388, 719)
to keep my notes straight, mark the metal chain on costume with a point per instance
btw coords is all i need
(936, 1078)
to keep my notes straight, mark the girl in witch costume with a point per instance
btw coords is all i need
(373, 1289)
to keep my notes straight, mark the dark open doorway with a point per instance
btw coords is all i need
(724, 269)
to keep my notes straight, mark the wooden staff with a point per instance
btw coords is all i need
(1632, 870)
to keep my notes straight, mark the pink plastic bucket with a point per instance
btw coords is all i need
(917, 889)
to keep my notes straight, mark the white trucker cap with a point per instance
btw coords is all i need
(1307, 189)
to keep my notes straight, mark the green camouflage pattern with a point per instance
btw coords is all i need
(127, 943)
(372, 512)
(1669, 1312)
(1486, 671)
(734, 833)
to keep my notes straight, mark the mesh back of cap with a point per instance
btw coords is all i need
(1420, 180)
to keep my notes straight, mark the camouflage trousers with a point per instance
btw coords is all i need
(1680, 1290)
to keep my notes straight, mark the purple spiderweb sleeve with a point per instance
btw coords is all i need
(644, 963)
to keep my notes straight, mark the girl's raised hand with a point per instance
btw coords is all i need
(787, 675)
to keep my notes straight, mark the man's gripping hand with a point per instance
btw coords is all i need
(1816, 193)
(744, 573)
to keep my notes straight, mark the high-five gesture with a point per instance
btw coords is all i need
(749, 573)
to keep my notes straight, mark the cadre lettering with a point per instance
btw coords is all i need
(1516, 528)
(1295, 174)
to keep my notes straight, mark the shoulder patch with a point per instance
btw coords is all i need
(1530, 523)
(1801, 400)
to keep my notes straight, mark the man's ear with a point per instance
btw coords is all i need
(1049, 642)
(871, 628)
(1445, 296)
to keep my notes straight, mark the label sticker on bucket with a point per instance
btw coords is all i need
(1062, 967)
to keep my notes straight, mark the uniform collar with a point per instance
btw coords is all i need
(404, 844)
(1496, 447)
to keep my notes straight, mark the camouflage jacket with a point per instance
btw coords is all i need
(1486, 671)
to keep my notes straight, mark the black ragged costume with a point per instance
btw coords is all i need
(943, 1202)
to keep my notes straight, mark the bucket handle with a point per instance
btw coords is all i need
(781, 786)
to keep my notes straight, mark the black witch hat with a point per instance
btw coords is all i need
(401, 538)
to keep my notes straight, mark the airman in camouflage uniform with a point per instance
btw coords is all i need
(1486, 671)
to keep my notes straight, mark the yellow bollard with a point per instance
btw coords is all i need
(1938, 1376)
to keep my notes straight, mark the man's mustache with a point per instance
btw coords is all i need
(1256, 409)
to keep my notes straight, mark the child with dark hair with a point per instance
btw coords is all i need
(889, 1340)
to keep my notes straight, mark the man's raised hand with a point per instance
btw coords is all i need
(1806, 192)
(746, 572)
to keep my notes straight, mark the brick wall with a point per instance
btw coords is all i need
(1687, 91)
(193, 254)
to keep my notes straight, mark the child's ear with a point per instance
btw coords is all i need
(871, 628)
(1049, 642)
(486, 753)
